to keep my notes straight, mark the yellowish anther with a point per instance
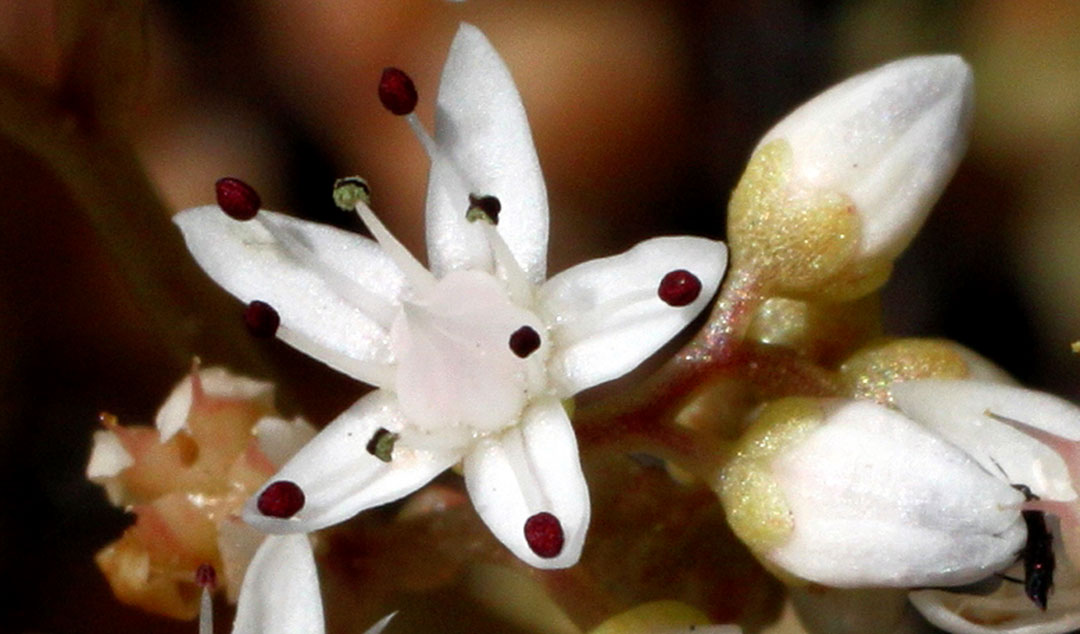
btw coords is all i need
(1076, 347)
(802, 240)
(868, 373)
(752, 499)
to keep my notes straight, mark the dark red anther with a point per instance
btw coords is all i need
(206, 576)
(397, 91)
(261, 319)
(524, 341)
(679, 288)
(281, 499)
(237, 199)
(544, 534)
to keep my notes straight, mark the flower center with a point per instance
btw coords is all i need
(456, 367)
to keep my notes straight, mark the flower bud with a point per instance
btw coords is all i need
(838, 188)
(853, 494)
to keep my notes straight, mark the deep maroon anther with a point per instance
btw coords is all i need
(544, 534)
(281, 499)
(524, 341)
(261, 319)
(206, 576)
(679, 288)
(236, 198)
(397, 91)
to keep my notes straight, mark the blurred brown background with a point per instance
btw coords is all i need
(643, 114)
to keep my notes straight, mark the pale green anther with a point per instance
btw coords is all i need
(381, 444)
(351, 190)
(484, 208)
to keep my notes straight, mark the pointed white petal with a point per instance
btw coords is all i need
(280, 439)
(333, 290)
(876, 500)
(108, 456)
(607, 316)
(280, 594)
(957, 411)
(889, 138)
(531, 468)
(381, 624)
(484, 148)
(340, 478)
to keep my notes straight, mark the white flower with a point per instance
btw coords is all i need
(889, 139)
(853, 494)
(1023, 437)
(473, 358)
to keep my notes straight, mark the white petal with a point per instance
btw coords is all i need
(334, 290)
(280, 439)
(280, 594)
(217, 382)
(957, 410)
(485, 148)
(889, 138)
(237, 542)
(340, 478)
(876, 500)
(108, 457)
(606, 314)
(531, 468)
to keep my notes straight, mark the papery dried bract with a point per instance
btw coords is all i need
(186, 481)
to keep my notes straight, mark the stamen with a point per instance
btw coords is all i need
(261, 319)
(372, 304)
(544, 534)
(397, 91)
(485, 208)
(236, 198)
(282, 499)
(524, 341)
(381, 444)
(517, 283)
(350, 190)
(420, 278)
(206, 578)
(679, 288)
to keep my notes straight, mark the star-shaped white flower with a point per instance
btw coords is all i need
(472, 358)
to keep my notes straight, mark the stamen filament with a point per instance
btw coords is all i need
(373, 305)
(423, 136)
(517, 283)
(419, 277)
(206, 613)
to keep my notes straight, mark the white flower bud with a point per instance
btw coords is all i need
(846, 180)
(853, 494)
